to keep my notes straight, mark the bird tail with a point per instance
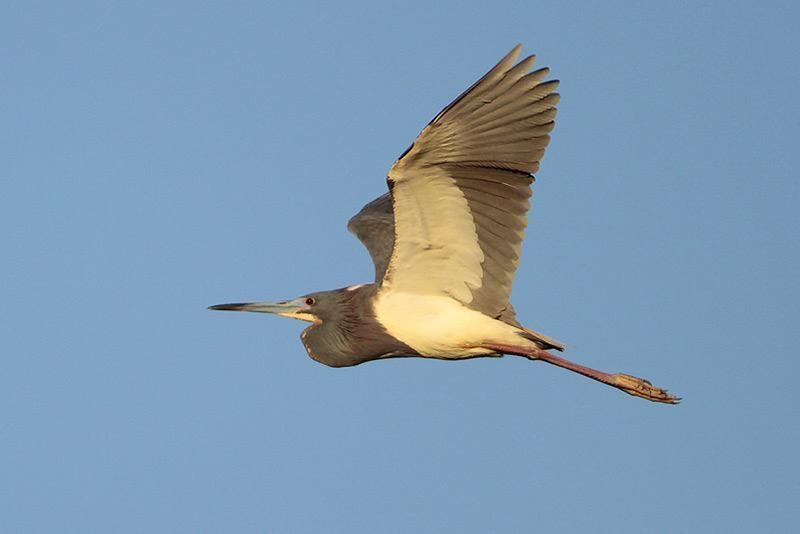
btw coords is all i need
(547, 342)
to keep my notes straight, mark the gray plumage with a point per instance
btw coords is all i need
(374, 227)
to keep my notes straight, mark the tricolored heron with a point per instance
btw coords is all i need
(446, 240)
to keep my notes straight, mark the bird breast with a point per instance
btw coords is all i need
(440, 326)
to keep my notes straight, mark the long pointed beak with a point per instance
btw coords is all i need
(295, 309)
(260, 307)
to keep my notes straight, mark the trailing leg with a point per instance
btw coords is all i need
(638, 387)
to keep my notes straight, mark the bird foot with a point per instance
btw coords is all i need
(639, 387)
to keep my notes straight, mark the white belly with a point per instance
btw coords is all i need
(440, 326)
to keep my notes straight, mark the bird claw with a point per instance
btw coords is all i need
(639, 387)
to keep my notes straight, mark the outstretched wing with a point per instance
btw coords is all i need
(374, 227)
(461, 192)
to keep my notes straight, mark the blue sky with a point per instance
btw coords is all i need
(158, 158)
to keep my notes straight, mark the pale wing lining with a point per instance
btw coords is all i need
(436, 247)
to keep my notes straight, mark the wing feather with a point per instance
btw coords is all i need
(461, 192)
(374, 227)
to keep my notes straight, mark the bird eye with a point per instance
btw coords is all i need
(310, 301)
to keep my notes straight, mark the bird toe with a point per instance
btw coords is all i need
(639, 387)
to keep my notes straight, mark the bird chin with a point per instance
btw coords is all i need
(301, 316)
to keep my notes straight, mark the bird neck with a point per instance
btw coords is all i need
(352, 335)
(334, 340)
(326, 344)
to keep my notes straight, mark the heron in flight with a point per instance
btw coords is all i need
(446, 239)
